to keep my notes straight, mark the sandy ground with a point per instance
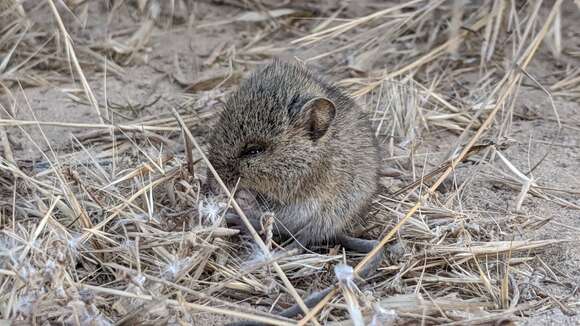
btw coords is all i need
(153, 73)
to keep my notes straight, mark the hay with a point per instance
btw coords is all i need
(114, 228)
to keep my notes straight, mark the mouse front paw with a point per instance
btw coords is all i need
(261, 222)
(234, 221)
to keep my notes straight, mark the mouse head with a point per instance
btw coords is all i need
(273, 132)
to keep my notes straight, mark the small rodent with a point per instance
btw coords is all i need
(303, 146)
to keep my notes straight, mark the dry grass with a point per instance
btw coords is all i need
(114, 229)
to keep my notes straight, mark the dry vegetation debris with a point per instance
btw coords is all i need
(112, 228)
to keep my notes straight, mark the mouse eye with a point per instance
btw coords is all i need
(252, 150)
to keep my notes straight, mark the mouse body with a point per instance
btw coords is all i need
(303, 147)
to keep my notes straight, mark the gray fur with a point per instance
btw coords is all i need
(316, 188)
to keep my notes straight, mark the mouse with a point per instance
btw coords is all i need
(305, 151)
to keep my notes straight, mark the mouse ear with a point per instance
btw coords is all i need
(317, 115)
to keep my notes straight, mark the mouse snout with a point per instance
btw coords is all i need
(228, 173)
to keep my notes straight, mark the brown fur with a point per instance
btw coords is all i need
(317, 184)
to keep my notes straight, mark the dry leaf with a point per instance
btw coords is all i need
(210, 83)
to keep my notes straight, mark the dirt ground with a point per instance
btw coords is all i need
(176, 65)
